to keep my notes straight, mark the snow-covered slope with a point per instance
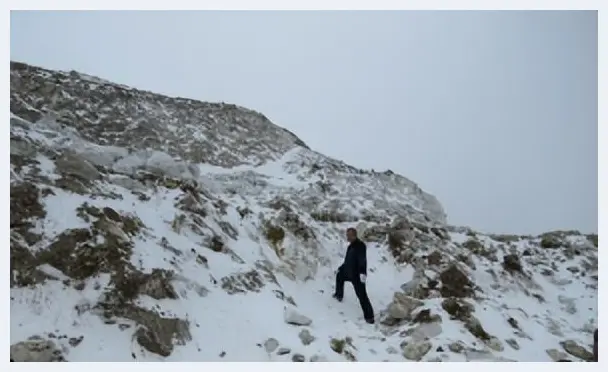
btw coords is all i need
(148, 228)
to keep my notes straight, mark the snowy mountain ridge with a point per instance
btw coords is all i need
(146, 228)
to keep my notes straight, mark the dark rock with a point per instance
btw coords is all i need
(573, 269)
(337, 345)
(435, 258)
(547, 272)
(513, 323)
(148, 341)
(424, 316)
(455, 283)
(457, 309)
(474, 246)
(243, 282)
(593, 239)
(539, 297)
(550, 241)
(512, 263)
(75, 341)
(513, 343)
(440, 233)
(112, 214)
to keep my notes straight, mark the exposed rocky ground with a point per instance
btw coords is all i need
(149, 228)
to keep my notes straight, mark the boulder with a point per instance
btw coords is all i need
(291, 316)
(401, 308)
(36, 349)
(512, 263)
(425, 331)
(574, 349)
(418, 286)
(457, 308)
(455, 283)
(75, 165)
(416, 350)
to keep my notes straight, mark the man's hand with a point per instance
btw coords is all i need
(362, 277)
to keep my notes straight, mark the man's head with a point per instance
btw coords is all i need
(351, 234)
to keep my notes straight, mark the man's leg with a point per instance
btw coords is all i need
(366, 306)
(340, 278)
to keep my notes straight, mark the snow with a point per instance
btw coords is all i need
(235, 324)
(227, 326)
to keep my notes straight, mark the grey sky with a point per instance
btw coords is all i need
(495, 113)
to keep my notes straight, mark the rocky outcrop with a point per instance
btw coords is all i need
(36, 349)
(400, 308)
(157, 334)
(455, 282)
(36, 91)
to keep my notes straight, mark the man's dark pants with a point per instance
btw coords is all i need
(360, 291)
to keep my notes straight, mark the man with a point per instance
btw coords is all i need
(354, 270)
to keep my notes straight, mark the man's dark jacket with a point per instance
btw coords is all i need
(355, 261)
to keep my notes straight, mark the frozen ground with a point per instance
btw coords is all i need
(124, 253)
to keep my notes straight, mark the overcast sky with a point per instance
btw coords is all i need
(495, 113)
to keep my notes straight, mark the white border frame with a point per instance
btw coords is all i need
(305, 5)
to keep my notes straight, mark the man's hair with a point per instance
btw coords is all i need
(352, 230)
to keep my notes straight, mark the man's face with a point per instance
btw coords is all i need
(350, 236)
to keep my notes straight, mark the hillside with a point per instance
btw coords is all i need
(147, 228)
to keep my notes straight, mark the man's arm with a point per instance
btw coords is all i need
(362, 259)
